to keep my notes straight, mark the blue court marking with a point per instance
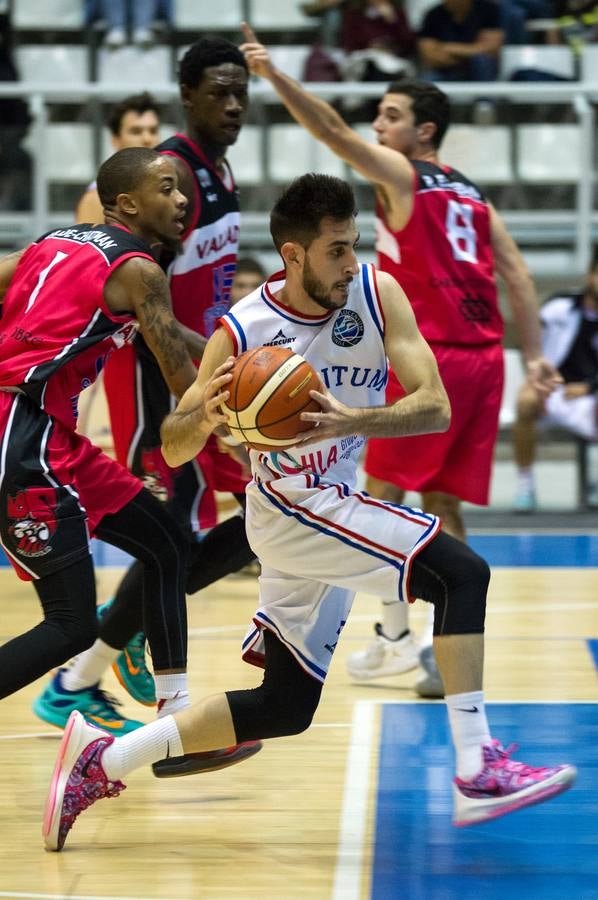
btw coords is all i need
(499, 550)
(548, 851)
(593, 648)
(545, 550)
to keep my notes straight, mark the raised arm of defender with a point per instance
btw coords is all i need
(387, 169)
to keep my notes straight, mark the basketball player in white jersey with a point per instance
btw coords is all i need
(442, 240)
(318, 539)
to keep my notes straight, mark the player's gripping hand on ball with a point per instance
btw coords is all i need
(333, 419)
(185, 431)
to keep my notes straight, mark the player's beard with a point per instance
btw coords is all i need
(316, 289)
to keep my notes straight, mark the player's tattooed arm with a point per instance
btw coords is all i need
(8, 264)
(141, 287)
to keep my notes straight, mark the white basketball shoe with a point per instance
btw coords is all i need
(384, 657)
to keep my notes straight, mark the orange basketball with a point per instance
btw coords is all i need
(269, 391)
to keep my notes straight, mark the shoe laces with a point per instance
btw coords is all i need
(104, 703)
(136, 650)
(503, 760)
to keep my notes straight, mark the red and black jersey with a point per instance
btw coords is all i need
(56, 329)
(202, 275)
(443, 258)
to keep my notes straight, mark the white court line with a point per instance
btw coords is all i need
(31, 734)
(23, 895)
(349, 862)
(349, 859)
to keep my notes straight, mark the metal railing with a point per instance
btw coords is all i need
(574, 226)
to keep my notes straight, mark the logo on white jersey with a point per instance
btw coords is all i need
(279, 340)
(348, 329)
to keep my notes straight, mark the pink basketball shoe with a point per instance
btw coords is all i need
(503, 786)
(78, 780)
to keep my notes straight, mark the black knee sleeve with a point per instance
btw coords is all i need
(450, 575)
(283, 704)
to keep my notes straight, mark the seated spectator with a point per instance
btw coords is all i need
(514, 14)
(15, 162)
(138, 16)
(569, 342)
(460, 40)
(577, 23)
(133, 122)
(374, 35)
(249, 274)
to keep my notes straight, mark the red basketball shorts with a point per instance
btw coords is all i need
(55, 488)
(138, 400)
(458, 462)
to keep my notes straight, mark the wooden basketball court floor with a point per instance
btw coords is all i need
(359, 806)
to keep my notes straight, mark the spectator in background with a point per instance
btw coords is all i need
(134, 122)
(249, 274)
(570, 341)
(374, 34)
(577, 23)
(15, 162)
(460, 40)
(514, 15)
(120, 15)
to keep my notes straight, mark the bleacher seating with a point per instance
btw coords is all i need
(482, 152)
(48, 15)
(290, 59)
(59, 63)
(189, 15)
(589, 63)
(292, 151)
(135, 67)
(68, 153)
(274, 15)
(245, 157)
(557, 60)
(548, 154)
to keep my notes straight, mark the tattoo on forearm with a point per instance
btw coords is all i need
(157, 321)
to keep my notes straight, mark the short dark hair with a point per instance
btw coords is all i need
(206, 52)
(123, 172)
(249, 264)
(139, 103)
(428, 102)
(298, 212)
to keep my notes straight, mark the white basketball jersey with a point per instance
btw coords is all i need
(345, 347)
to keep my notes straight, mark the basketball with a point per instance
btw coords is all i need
(269, 391)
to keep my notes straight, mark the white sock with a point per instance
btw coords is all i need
(428, 632)
(142, 747)
(88, 668)
(172, 693)
(525, 480)
(469, 728)
(395, 620)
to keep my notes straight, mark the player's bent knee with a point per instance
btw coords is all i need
(75, 636)
(264, 713)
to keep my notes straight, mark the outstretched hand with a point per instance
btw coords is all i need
(256, 54)
(333, 419)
